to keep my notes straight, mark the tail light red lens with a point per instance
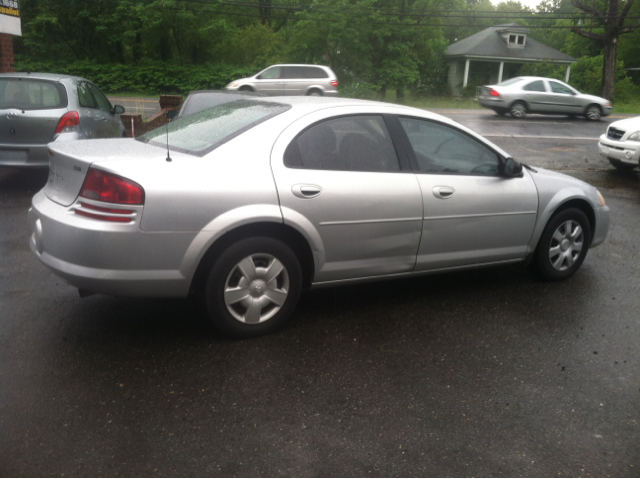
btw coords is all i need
(494, 93)
(334, 83)
(68, 120)
(103, 186)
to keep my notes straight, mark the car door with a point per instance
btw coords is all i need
(564, 99)
(341, 177)
(537, 97)
(270, 81)
(108, 123)
(472, 214)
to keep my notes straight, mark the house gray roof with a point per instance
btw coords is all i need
(490, 44)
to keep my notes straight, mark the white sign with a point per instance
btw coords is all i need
(10, 17)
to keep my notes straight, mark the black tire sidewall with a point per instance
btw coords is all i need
(543, 265)
(220, 317)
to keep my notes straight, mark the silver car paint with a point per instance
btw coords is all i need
(542, 102)
(40, 125)
(192, 201)
(288, 86)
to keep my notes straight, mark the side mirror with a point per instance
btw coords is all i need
(172, 114)
(117, 110)
(511, 168)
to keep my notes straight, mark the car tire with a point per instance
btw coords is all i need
(518, 110)
(620, 165)
(314, 93)
(245, 88)
(563, 245)
(593, 113)
(253, 287)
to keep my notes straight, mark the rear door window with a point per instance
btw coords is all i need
(27, 94)
(350, 143)
(537, 85)
(85, 97)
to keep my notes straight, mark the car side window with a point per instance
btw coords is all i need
(103, 103)
(85, 97)
(271, 74)
(560, 88)
(350, 143)
(534, 86)
(442, 149)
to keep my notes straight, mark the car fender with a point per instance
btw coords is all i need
(306, 228)
(314, 87)
(548, 208)
(216, 228)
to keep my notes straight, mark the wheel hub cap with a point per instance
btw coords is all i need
(256, 288)
(566, 245)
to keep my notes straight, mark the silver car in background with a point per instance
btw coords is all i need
(290, 80)
(38, 108)
(521, 95)
(620, 144)
(260, 198)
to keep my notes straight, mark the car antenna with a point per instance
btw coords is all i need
(167, 129)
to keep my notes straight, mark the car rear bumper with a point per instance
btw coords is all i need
(24, 156)
(625, 151)
(492, 102)
(110, 258)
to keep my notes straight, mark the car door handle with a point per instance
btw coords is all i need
(306, 191)
(443, 192)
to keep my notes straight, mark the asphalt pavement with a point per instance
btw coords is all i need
(481, 373)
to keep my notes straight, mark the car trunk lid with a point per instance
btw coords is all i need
(69, 162)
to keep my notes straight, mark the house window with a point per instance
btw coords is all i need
(516, 40)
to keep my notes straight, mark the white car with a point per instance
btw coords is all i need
(620, 144)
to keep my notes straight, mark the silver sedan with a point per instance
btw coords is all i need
(246, 204)
(521, 95)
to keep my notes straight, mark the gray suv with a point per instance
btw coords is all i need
(38, 108)
(290, 80)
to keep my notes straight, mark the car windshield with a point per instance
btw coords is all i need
(204, 131)
(510, 81)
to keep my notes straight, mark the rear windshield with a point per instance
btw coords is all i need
(204, 131)
(31, 94)
(510, 81)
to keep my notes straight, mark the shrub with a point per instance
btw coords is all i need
(149, 77)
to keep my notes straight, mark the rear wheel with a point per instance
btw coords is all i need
(314, 93)
(253, 287)
(518, 110)
(593, 113)
(563, 245)
(620, 165)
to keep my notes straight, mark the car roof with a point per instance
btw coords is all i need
(304, 105)
(42, 76)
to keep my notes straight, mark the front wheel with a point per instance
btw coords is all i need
(563, 245)
(593, 113)
(620, 165)
(253, 287)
